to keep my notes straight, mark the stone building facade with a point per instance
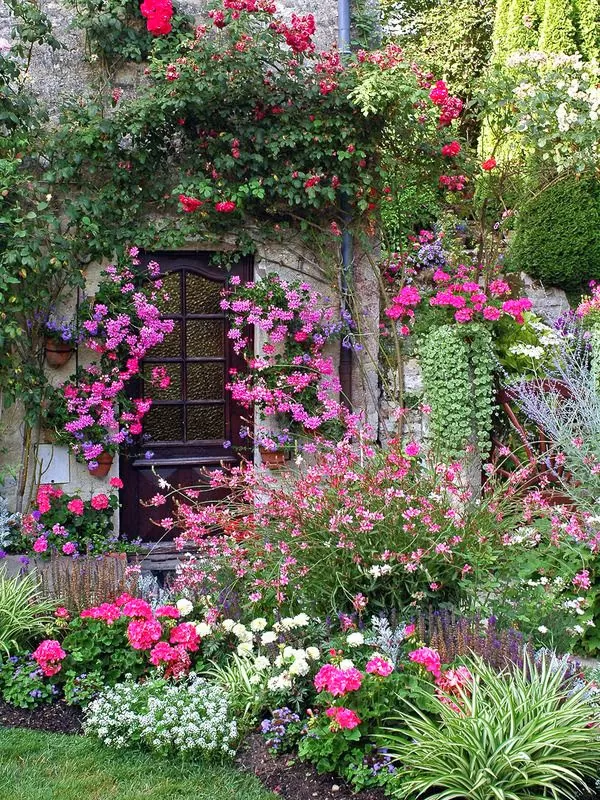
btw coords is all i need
(71, 72)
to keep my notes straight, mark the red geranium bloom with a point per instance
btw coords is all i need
(489, 165)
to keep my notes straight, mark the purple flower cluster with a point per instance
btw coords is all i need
(275, 729)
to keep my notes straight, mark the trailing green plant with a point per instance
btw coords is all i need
(23, 613)
(458, 367)
(519, 734)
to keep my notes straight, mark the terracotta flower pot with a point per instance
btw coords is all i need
(57, 353)
(272, 459)
(105, 461)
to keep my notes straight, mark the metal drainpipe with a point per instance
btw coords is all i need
(346, 361)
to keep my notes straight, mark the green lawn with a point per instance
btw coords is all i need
(48, 766)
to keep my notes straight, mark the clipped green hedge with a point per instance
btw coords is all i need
(557, 236)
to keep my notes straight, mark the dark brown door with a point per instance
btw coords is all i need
(193, 425)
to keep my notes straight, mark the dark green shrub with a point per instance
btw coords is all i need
(557, 235)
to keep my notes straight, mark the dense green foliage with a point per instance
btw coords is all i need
(556, 238)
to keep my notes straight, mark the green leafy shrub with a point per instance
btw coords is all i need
(556, 238)
(23, 684)
(523, 734)
(23, 614)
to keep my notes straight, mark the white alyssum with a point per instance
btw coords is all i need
(191, 716)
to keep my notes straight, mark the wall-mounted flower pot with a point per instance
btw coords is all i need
(272, 459)
(105, 461)
(57, 353)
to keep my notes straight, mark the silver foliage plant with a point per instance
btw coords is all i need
(565, 403)
(8, 524)
(387, 639)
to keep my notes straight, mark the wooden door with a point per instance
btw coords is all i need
(193, 425)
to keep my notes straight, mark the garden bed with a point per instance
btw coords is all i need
(293, 779)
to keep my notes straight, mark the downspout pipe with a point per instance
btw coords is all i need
(346, 278)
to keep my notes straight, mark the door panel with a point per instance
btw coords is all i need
(192, 421)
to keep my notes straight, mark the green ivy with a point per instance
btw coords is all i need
(458, 366)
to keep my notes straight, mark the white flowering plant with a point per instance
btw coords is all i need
(550, 104)
(191, 717)
(260, 662)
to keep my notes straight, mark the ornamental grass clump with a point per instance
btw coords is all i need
(191, 717)
(518, 734)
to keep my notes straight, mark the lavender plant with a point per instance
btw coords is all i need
(565, 404)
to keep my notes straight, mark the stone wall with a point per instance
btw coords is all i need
(71, 72)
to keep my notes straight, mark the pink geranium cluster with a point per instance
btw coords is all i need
(120, 325)
(154, 631)
(462, 293)
(343, 718)
(379, 666)
(451, 684)
(337, 681)
(69, 525)
(49, 655)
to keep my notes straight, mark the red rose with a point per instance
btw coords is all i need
(189, 204)
(489, 165)
(452, 149)
(226, 207)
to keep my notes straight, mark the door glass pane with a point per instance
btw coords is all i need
(170, 347)
(201, 295)
(173, 390)
(164, 423)
(205, 422)
(204, 337)
(172, 285)
(205, 381)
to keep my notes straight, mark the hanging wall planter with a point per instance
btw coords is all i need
(105, 461)
(57, 353)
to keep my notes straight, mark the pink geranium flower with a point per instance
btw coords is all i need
(343, 717)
